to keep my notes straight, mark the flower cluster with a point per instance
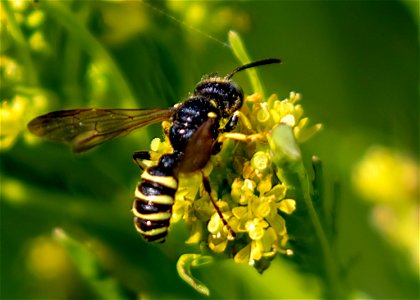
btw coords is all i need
(22, 35)
(249, 195)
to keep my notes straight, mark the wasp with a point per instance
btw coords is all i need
(195, 125)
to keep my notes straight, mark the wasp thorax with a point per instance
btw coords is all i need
(226, 93)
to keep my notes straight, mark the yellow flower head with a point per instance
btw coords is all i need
(251, 198)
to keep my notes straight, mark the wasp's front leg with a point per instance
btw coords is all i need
(226, 133)
(231, 124)
(233, 121)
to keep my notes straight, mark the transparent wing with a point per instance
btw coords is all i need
(84, 129)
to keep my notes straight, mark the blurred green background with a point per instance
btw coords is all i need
(355, 63)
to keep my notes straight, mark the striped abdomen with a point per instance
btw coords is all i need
(152, 207)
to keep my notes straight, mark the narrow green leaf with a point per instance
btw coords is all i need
(239, 50)
(184, 264)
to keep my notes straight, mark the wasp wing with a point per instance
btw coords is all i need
(84, 129)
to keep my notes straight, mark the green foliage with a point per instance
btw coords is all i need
(309, 235)
(356, 65)
(103, 285)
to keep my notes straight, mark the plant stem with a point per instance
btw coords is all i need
(331, 271)
(291, 171)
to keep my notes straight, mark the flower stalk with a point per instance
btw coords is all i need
(291, 171)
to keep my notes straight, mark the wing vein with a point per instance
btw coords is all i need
(84, 129)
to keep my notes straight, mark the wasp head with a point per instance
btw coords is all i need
(227, 95)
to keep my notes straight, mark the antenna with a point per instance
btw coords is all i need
(257, 63)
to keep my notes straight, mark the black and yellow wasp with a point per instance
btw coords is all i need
(193, 134)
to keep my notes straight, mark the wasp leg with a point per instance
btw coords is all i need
(241, 137)
(216, 148)
(233, 121)
(231, 124)
(138, 158)
(207, 187)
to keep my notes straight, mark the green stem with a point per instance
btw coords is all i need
(91, 45)
(318, 196)
(22, 45)
(291, 171)
(239, 50)
(331, 271)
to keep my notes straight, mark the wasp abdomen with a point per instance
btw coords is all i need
(154, 198)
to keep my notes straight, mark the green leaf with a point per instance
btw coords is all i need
(239, 50)
(185, 262)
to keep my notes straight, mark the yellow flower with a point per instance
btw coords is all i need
(11, 115)
(242, 176)
(385, 176)
(390, 181)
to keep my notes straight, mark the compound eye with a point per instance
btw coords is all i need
(236, 96)
(236, 89)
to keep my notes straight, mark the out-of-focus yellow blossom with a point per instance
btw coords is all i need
(21, 34)
(47, 259)
(13, 191)
(20, 5)
(384, 176)
(38, 43)
(26, 14)
(10, 71)
(35, 18)
(16, 112)
(11, 115)
(250, 197)
(390, 181)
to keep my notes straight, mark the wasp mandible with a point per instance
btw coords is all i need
(193, 134)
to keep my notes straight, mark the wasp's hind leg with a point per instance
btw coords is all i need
(207, 187)
(138, 158)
